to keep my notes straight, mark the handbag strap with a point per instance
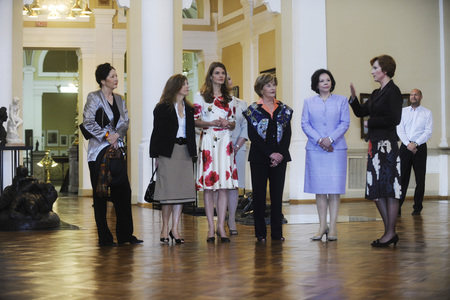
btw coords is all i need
(153, 174)
(153, 169)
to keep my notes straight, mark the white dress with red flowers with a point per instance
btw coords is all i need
(216, 167)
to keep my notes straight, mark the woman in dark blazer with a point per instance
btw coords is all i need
(173, 145)
(383, 184)
(269, 130)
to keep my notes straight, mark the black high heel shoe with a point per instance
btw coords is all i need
(210, 239)
(223, 239)
(177, 241)
(164, 240)
(378, 244)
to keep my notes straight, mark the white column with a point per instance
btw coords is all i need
(443, 175)
(86, 65)
(37, 129)
(29, 111)
(6, 25)
(103, 35)
(119, 47)
(443, 142)
(309, 53)
(249, 50)
(157, 67)
(118, 61)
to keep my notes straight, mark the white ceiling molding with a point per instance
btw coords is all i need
(187, 4)
(123, 3)
(206, 16)
(273, 6)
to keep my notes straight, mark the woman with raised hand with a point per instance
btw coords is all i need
(383, 183)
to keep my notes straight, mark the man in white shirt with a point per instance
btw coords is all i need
(414, 130)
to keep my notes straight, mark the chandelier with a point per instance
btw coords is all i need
(57, 9)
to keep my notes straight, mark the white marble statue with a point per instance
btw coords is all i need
(14, 121)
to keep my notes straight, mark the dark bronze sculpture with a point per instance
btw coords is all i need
(27, 204)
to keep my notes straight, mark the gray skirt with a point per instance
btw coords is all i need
(175, 182)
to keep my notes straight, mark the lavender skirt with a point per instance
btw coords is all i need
(325, 172)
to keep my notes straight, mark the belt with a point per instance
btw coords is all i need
(180, 141)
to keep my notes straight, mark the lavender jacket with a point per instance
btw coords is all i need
(325, 119)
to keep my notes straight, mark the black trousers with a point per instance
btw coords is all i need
(120, 196)
(418, 162)
(260, 174)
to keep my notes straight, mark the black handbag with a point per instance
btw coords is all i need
(150, 192)
(100, 117)
(87, 135)
(118, 169)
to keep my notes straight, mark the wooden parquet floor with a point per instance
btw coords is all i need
(68, 264)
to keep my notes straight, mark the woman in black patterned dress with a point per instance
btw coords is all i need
(384, 108)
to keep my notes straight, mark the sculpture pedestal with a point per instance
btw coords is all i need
(15, 160)
(73, 169)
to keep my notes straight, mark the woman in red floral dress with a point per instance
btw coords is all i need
(216, 170)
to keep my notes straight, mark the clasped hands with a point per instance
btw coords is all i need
(325, 144)
(223, 123)
(412, 147)
(275, 159)
(113, 140)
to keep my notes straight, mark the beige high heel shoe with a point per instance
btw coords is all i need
(319, 237)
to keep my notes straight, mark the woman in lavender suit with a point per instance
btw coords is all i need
(325, 119)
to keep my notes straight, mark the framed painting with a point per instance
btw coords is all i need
(44, 138)
(104, 2)
(363, 97)
(63, 140)
(405, 100)
(270, 71)
(52, 138)
(235, 91)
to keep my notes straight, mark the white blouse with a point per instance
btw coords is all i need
(181, 122)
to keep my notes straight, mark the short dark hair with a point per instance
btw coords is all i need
(102, 72)
(262, 80)
(387, 64)
(315, 80)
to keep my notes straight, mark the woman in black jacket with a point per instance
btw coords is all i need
(383, 183)
(269, 130)
(173, 145)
